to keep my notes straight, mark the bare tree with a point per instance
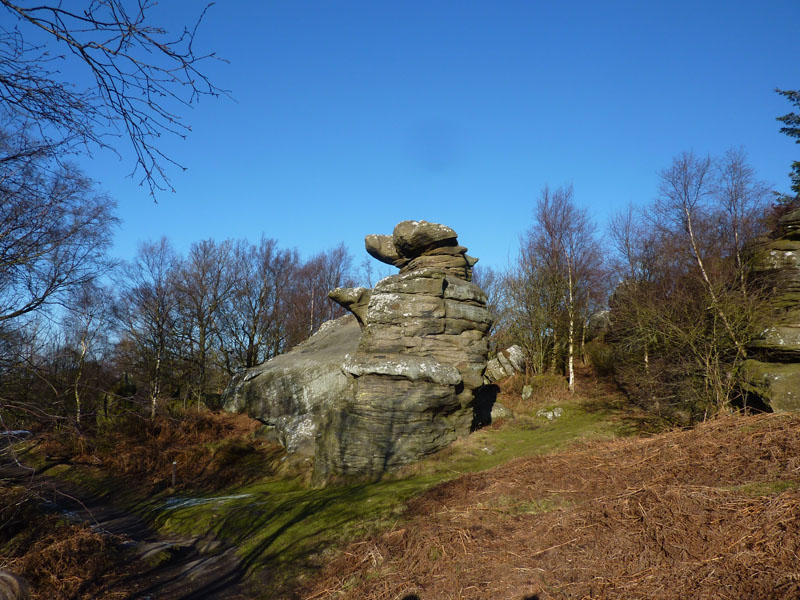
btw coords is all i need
(684, 193)
(491, 282)
(147, 313)
(141, 76)
(557, 279)
(252, 325)
(87, 325)
(534, 305)
(564, 235)
(318, 276)
(205, 283)
(54, 230)
(685, 309)
(633, 246)
(742, 199)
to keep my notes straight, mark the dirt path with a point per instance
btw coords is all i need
(169, 568)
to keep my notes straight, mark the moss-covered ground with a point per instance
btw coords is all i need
(283, 530)
(286, 528)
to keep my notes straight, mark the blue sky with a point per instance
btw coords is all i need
(347, 117)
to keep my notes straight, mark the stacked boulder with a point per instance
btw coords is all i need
(773, 369)
(418, 369)
(505, 364)
(401, 380)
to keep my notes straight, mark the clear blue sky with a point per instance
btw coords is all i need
(348, 117)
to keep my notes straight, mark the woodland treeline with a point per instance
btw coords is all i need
(83, 336)
(666, 284)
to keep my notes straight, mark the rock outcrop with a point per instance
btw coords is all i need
(505, 364)
(773, 369)
(418, 369)
(401, 380)
(292, 393)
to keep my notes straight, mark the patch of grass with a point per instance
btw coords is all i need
(289, 528)
(766, 488)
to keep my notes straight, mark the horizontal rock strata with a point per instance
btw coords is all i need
(401, 379)
(773, 370)
(418, 369)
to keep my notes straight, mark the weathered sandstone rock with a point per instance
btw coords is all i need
(291, 393)
(414, 238)
(408, 385)
(773, 369)
(506, 363)
(418, 369)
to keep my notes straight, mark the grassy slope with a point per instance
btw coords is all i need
(712, 512)
(285, 531)
(283, 524)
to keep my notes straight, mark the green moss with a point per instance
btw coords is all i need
(777, 383)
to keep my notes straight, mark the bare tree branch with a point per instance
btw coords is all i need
(141, 78)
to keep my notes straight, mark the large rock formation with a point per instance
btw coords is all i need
(773, 370)
(418, 369)
(410, 385)
(293, 392)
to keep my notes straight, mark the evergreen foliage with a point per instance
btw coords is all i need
(791, 128)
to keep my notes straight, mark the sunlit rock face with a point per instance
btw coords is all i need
(401, 380)
(773, 369)
(293, 392)
(418, 370)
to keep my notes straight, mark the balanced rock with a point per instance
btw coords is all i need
(773, 369)
(414, 238)
(401, 380)
(418, 369)
(382, 247)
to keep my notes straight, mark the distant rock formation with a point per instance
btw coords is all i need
(773, 369)
(409, 385)
(505, 364)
